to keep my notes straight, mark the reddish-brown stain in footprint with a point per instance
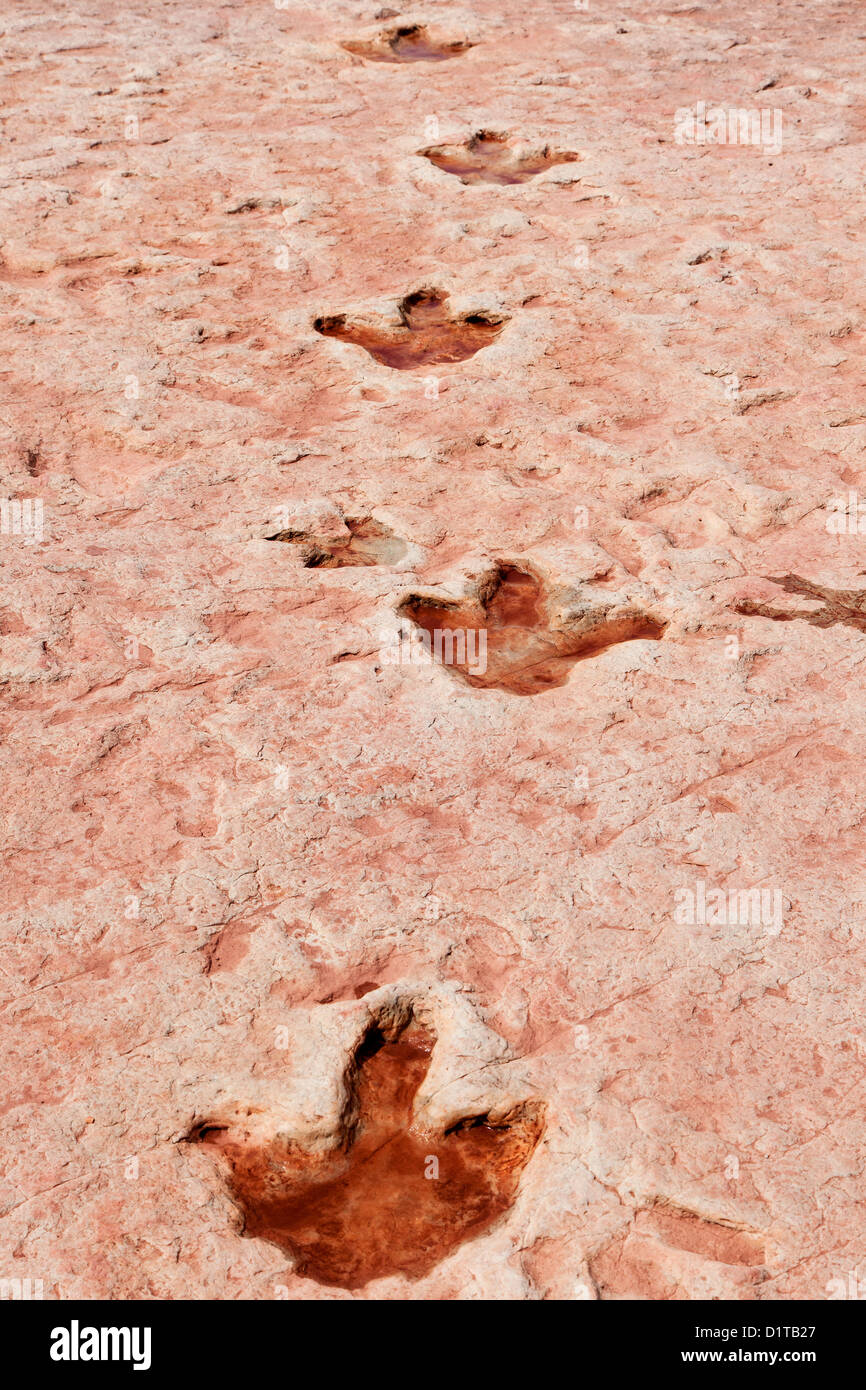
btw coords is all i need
(488, 157)
(521, 652)
(411, 43)
(392, 1200)
(426, 335)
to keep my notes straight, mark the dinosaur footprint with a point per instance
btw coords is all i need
(509, 638)
(847, 607)
(673, 1253)
(367, 542)
(409, 43)
(425, 332)
(392, 1195)
(488, 157)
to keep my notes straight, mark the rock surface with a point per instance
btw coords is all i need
(633, 900)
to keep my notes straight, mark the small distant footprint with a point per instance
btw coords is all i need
(408, 43)
(490, 157)
(368, 542)
(426, 332)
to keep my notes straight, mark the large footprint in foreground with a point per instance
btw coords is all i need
(415, 1158)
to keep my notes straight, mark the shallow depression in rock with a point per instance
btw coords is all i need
(411, 43)
(392, 1200)
(369, 543)
(427, 334)
(523, 653)
(490, 158)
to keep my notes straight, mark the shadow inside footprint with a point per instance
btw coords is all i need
(490, 158)
(410, 43)
(391, 1200)
(520, 652)
(427, 333)
(369, 543)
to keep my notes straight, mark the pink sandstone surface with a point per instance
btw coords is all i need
(248, 826)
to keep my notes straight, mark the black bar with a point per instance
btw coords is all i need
(256, 1338)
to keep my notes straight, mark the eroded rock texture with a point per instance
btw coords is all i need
(327, 329)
